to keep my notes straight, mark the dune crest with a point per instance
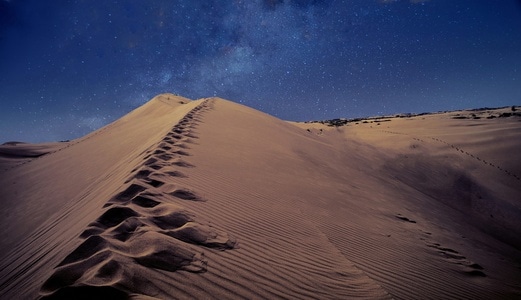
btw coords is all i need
(209, 199)
(139, 230)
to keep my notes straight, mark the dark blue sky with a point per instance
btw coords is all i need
(70, 67)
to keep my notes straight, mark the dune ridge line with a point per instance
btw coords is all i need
(141, 228)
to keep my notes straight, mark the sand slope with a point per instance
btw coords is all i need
(200, 199)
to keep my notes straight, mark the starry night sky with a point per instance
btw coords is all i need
(68, 67)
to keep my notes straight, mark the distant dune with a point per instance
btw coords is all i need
(209, 199)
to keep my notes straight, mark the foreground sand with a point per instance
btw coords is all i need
(210, 199)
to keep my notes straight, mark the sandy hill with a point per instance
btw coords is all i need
(206, 199)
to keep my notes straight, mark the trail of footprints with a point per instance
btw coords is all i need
(465, 266)
(142, 227)
(460, 150)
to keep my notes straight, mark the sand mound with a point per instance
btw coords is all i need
(209, 199)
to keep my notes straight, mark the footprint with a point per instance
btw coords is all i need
(88, 248)
(142, 174)
(203, 235)
(176, 174)
(165, 146)
(171, 259)
(127, 194)
(113, 216)
(154, 183)
(150, 161)
(183, 164)
(473, 270)
(165, 157)
(91, 231)
(399, 216)
(67, 274)
(181, 145)
(181, 152)
(126, 229)
(135, 176)
(145, 201)
(156, 166)
(476, 266)
(172, 219)
(467, 267)
(191, 135)
(186, 195)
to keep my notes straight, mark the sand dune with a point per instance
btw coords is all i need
(203, 199)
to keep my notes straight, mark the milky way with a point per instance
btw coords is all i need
(70, 67)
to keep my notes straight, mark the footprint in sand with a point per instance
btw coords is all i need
(465, 266)
(403, 218)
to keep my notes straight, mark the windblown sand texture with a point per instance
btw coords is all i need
(209, 199)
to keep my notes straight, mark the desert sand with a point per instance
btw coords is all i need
(209, 199)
